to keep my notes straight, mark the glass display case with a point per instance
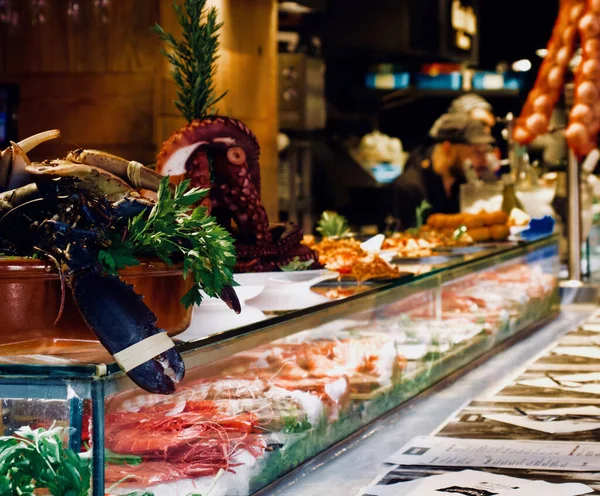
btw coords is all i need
(261, 399)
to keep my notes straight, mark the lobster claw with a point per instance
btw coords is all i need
(160, 374)
(230, 298)
(119, 318)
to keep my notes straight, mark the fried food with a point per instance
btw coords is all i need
(500, 232)
(480, 234)
(472, 221)
(494, 218)
(348, 258)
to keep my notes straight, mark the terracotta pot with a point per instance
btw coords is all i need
(30, 300)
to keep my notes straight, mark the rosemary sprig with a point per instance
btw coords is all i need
(193, 58)
(174, 234)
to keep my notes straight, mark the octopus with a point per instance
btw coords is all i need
(222, 154)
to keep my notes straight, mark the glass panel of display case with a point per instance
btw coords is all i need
(239, 423)
(504, 298)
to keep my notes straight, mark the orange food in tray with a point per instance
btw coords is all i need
(348, 258)
(481, 227)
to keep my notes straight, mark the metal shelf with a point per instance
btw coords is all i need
(397, 98)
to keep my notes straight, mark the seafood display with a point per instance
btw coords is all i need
(79, 213)
(242, 421)
(257, 399)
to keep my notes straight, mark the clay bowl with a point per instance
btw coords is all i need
(30, 300)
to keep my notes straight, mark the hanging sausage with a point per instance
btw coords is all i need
(546, 91)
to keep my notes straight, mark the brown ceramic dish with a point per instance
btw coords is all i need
(30, 299)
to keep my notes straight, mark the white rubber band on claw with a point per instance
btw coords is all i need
(134, 173)
(142, 351)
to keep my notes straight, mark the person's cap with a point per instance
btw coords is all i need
(467, 103)
(460, 129)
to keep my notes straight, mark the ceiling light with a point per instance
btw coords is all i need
(541, 52)
(522, 65)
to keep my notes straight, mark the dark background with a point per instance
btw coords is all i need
(356, 34)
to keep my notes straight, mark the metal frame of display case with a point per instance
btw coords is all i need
(96, 382)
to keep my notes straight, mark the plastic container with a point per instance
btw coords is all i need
(452, 81)
(30, 295)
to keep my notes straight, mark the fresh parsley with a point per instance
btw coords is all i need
(175, 234)
(294, 425)
(36, 459)
(193, 58)
(332, 225)
(296, 264)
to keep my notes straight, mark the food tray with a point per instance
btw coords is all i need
(429, 260)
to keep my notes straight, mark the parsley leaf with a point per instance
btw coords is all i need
(175, 234)
(296, 264)
(37, 459)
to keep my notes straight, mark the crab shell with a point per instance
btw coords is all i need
(98, 181)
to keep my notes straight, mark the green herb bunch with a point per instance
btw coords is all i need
(174, 233)
(37, 459)
(296, 265)
(332, 225)
(193, 58)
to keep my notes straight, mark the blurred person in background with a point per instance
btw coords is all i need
(435, 173)
(480, 109)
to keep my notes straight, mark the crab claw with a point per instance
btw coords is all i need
(6, 157)
(30, 143)
(229, 296)
(134, 173)
(93, 179)
(20, 161)
(14, 160)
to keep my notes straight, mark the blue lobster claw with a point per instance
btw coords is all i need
(119, 318)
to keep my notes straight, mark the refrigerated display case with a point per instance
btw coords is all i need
(260, 400)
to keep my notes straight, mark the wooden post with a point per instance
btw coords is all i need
(247, 69)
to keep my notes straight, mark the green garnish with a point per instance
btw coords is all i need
(421, 209)
(173, 233)
(332, 225)
(458, 233)
(37, 459)
(117, 459)
(193, 58)
(293, 425)
(296, 264)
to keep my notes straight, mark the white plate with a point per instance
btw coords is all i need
(285, 291)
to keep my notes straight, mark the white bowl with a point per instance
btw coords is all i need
(285, 291)
(214, 316)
